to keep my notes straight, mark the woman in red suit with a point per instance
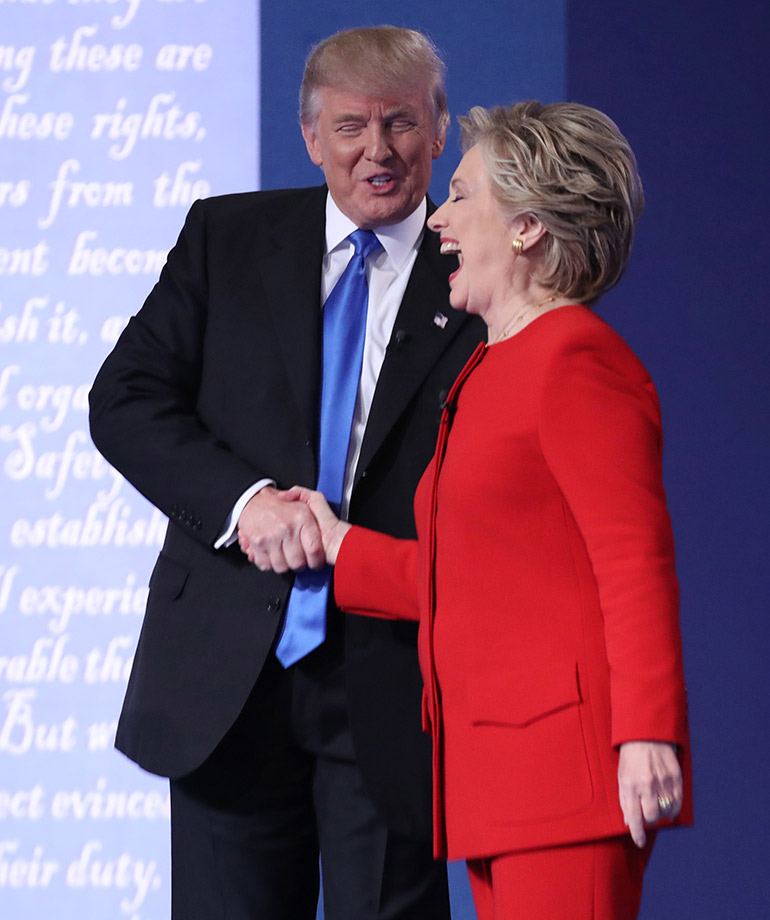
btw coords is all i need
(543, 573)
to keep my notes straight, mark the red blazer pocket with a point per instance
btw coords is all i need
(523, 694)
(527, 748)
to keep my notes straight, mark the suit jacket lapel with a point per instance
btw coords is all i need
(423, 340)
(289, 265)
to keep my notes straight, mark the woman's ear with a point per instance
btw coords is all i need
(528, 229)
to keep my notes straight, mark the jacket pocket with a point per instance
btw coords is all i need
(169, 577)
(525, 758)
(523, 694)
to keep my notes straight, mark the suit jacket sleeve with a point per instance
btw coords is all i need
(601, 437)
(376, 575)
(144, 414)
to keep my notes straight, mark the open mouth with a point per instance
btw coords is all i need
(381, 182)
(452, 248)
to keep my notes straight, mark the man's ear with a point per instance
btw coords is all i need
(437, 147)
(310, 137)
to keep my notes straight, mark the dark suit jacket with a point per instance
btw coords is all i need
(214, 385)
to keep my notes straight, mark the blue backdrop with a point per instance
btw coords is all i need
(688, 84)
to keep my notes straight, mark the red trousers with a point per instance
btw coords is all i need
(599, 880)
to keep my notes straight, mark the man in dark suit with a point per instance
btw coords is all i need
(209, 404)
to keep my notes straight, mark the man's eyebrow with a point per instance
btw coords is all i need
(349, 116)
(400, 112)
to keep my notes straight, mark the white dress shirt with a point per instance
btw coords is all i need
(387, 272)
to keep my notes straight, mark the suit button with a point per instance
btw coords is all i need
(274, 604)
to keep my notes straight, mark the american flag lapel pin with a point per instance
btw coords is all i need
(440, 320)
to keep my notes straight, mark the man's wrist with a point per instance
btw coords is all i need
(229, 533)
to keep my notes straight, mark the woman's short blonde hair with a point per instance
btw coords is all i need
(570, 167)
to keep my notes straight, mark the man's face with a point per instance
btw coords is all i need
(375, 151)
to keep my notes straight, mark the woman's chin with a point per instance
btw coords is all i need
(458, 302)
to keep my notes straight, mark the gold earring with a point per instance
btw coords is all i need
(517, 246)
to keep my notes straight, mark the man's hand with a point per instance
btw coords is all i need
(650, 785)
(279, 535)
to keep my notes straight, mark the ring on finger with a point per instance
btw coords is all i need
(665, 803)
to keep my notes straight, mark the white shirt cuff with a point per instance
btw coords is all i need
(229, 534)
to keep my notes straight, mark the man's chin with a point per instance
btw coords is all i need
(383, 210)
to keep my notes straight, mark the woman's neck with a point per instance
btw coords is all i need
(520, 313)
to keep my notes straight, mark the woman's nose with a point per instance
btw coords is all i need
(436, 221)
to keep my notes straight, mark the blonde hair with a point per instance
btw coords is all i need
(570, 167)
(371, 60)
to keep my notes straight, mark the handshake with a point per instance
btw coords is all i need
(294, 529)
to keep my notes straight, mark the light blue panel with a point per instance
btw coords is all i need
(113, 117)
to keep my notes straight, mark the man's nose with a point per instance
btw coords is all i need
(377, 144)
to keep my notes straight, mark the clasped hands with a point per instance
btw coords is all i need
(291, 530)
(297, 529)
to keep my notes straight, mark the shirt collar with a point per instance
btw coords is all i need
(398, 240)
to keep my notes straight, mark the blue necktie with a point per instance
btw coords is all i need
(344, 329)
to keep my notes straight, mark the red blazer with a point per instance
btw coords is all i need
(543, 578)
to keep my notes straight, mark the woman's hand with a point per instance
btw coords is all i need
(333, 530)
(650, 785)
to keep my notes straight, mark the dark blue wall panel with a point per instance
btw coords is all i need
(496, 53)
(688, 84)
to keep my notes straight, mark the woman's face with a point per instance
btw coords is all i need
(472, 227)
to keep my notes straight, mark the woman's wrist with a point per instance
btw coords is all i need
(336, 535)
